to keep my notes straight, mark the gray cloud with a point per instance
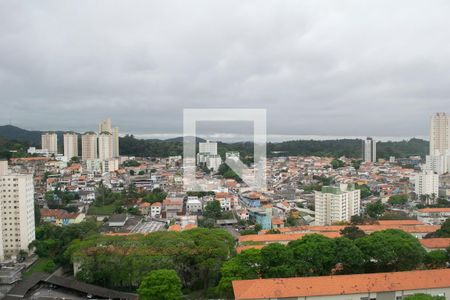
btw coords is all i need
(319, 67)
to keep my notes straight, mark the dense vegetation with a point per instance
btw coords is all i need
(336, 148)
(122, 262)
(51, 240)
(315, 255)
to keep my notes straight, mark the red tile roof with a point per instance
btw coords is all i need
(437, 243)
(273, 238)
(341, 285)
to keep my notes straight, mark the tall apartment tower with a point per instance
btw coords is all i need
(208, 148)
(106, 126)
(439, 134)
(89, 146)
(336, 204)
(70, 145)
(105, 146)
(17, 228)
(49, 141)
(370, 150)
(427, 183)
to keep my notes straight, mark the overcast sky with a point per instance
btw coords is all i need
(334, 68)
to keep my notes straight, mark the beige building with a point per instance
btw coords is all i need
(336, 204)
(49, 141)
(17, 228)
(70, 145)
(89, 146)
(105, 146)
(106, 126)
(439, 134)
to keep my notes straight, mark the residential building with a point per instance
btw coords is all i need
(262, 217)
(155, 210)
(17, 228)
(434, 216)
(336, 204)
(439, 164)
(208, 147)
(106, 126)
(370, 150)
(61, 217)
(70, 145)
(172, 207)
(89, 146)
(105, 146)
(393, 285)
(213, 162)
(439, 134)
(427, 184)
(194, 205)
(49, 141)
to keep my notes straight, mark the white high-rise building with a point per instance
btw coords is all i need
(70, 145)
(439, 164)
(105, 146)
(89, 146)
(370, 150)
(208, 148)
(439, 134)
(106, 126)
(427, 183)
(336, 204)
(17, 228)
(49, 141)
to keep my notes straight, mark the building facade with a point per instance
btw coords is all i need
(70, 145)
(49, 141)
(89, 146)
(105, 146)
(439, 134)
(336, 204)
(370, 150)
(17, 228)
(427, 183)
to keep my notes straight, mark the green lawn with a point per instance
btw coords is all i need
(38, 266)
(105, 210)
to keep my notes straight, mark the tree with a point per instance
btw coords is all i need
(375, 210)
(160, 284)
(352, 232)
(213, 210)
(365, 190)
(398, 199)
(391, 250)
(444, 231)
(356, 220)
(436, 259)
(49, 267)
(246, 265)
(314, 254)
(337, 163)
(277, 261)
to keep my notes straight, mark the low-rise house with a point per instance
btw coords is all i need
(194, 205)
(435, 216)
(118, 220)
(393, 285)
(435, 244)
(172, 207)
(144, 208)
(61, 217)
(155, 210)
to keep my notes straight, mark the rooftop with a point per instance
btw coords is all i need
(341, 285)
